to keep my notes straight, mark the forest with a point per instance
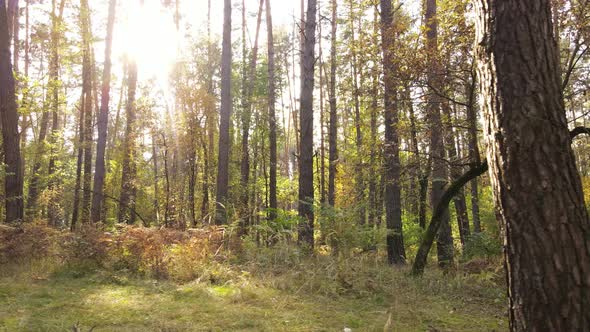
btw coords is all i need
(311, 165)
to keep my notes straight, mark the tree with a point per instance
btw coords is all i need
(247, 92)
(127, 199)
(333, 127)
(13, 181)
(306, 190)
(444, 241)
(272, 121)
(225, 114)
(536, 185)
(103, 119)
(393, 215)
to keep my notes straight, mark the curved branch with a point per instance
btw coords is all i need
(439, 211)
(443, 206)
(579, 131)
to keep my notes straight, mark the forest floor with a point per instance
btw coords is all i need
(39, 298)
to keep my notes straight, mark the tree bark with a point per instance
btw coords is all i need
(536, 185)
(13, 182)
(396, 253)
(474, 154)
(225, 114)
(103, 119)
(306, 190)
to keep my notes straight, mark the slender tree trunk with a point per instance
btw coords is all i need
(272, 121)
(225, 114)
(536, 185)
(474, 155)
(88, 101)
(103, 119)
(79, 166)
(459, 198)
(53, 208)
(13, 182)
(333, 128)
(393, 214)
(127, 199)
(156, 176)
(247, 92)
(444, 241)
(359, 178)
(306, 190)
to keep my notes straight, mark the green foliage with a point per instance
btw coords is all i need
(482, 245)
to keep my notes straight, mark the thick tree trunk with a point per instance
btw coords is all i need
(272, 121)
(13, 182)
(444, 241)
(536, 185)
(103, 119)
(127, 199)
(306, 190)
(225, 114)
(393, 212)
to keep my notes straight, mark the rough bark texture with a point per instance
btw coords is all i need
(103, 119)
(393, 213)
(444, 242)
(13, 182)
(272, 121)
(225, 114)
(306, 190)
(537, 188)
(128, 180)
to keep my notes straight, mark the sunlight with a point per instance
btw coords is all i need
(149, 36)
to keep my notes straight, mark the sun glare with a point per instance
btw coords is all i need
(148, 35)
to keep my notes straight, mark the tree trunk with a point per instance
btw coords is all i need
(473, 145)
(129, 175)
(13, 182)
(444, 242)
(272, 121)
(536, 185)
(249, 78)
(459, 198)
(88, 99)
(333, 128)
(359, 178)
(396, 253)
(306, 190)
(225, 114)
(103, 119)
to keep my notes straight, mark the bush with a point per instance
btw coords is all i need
(482, 245)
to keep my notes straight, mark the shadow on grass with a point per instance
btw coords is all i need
(43, 301)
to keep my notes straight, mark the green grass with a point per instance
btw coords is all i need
(33, 299)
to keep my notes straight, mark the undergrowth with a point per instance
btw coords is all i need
(327, 291)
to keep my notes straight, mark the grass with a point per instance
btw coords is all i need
(321, 298)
